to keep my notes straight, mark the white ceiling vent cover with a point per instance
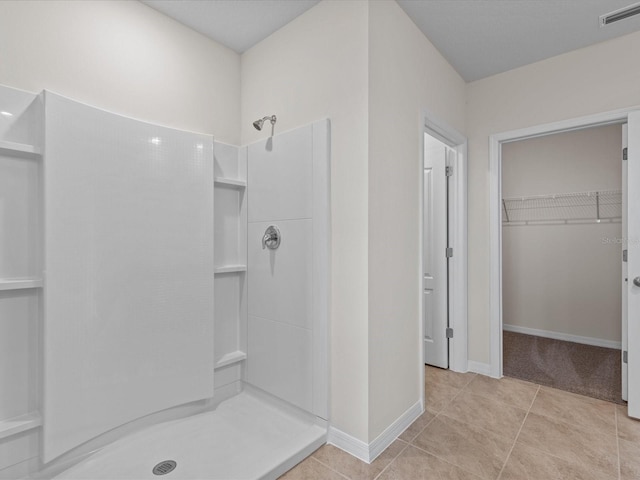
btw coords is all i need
(621, 14)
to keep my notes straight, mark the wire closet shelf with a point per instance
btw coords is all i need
(563, 208)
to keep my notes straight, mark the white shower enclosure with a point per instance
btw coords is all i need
(272, 305)
(136, 287)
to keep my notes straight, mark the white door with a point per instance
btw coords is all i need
(633, 264)
(434, 268)
(625, 270)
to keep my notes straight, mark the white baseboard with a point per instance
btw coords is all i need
(479, 367)
(386, 438)
(369, 452)
(349, 444)
(597, 342)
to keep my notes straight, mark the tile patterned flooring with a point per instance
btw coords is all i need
(476, 427)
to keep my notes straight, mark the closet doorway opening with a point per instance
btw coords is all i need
(562, 252)
(630, 199)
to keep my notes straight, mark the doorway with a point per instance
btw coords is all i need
(443, 240)
(562, 260)
(631, 302)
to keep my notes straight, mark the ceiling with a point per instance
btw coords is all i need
(238, 24)
(479, 38)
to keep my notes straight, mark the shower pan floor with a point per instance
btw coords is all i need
(246, 437)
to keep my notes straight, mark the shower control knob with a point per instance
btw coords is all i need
(636, 281)
(271, 238)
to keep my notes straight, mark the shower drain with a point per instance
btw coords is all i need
(164, 467)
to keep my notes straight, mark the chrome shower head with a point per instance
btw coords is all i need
(258, 123)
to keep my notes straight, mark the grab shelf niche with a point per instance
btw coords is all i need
(20, 275)
(230, 205)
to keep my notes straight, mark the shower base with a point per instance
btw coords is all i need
(246, 437)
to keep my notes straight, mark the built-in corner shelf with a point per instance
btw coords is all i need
(230, 358)
(21, 148)
(230, 269)
(13, 426)
(231, 182)
(20, 283)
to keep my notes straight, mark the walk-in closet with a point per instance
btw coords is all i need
(562, 248)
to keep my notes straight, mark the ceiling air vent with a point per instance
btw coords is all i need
(621, 14)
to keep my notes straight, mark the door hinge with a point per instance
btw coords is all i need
(625, 358)
(448, 171)
(449, 252)
(624, 153)
(449, 332)
(624, 255)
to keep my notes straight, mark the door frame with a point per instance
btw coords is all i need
(495, 209)
(457, 239)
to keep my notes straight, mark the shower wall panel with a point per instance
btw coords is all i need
(281, 176)
(19, 209)
(129, 271)
(281, 280)
(18, 352)
(288, 177)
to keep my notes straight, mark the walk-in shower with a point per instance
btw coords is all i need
(157, 320)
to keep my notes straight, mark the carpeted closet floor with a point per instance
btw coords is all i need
(573, 367)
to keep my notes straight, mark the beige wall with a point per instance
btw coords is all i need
(124, 57)
(316, 67)
(407, 76)
(595, 79)
(578, 161)
(563, 278)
